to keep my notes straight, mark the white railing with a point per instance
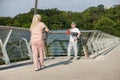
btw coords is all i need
(13, 39)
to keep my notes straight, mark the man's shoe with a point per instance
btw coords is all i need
(37, 69)
(70, 58)
(76, 58)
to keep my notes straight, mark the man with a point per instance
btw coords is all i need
(74, 35)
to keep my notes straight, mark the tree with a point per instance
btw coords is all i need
(100, 18)
(6, 21)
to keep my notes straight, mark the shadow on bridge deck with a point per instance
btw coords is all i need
(102, 68)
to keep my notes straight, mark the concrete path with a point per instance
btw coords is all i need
(102, 68)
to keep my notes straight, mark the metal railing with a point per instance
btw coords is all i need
(15, 43)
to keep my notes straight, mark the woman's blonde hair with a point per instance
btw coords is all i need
(36, 19)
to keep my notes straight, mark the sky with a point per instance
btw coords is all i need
(14, 7)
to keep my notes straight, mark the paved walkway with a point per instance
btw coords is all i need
(102, 68)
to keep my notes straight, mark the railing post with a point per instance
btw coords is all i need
(100, 41)
(5, 55)
(84, 47)
(89, 43)
(28, 48)
(103, 41)
(96, 42)
(92, 42)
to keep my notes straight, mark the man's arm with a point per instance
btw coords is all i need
(78, 35)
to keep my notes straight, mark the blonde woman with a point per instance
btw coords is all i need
(37, 43)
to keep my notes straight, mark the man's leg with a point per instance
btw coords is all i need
(75, 49)
(69, 49)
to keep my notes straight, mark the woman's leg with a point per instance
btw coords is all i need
(41, 56)
(35, 55)
(41, 52)
(44, 50)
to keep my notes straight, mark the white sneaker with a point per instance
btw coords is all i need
(76, 58)
(42, 67)
(70, 57)
(37, 69)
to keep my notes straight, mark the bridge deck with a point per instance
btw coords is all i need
(102, 68)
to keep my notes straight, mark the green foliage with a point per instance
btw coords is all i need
(106, 25)
(7, 21)
(107, 20)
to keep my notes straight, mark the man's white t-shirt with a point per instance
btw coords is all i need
(73, 30)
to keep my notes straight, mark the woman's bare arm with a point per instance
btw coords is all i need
(46, 29)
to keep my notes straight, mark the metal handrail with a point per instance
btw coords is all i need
(51, 32)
